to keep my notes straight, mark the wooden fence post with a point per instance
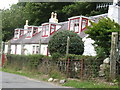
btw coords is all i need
(9, 48)
(113, 55)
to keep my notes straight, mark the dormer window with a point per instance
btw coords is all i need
(74, 25)
(21, 33)
(77, 24)
(45, 30)
(29, 32)
(84, 23)
(16, 34)
(52, 29)
(35, 30)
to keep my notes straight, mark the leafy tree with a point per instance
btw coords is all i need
(83, 8)
(101, 33)
(58, 42)
(39, 13)
(12, 18)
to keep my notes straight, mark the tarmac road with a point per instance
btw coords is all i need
(17, 81)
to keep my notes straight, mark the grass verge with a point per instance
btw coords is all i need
(37, 76)
(88, 84)
(69, 83)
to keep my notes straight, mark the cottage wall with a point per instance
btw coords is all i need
(6, 49)
(18, 51)
(44, 49)
(114, 13)
(12, 49)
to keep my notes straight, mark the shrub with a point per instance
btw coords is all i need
(101, 33)
(58, 43)
(27, 62)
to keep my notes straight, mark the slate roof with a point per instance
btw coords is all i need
(44, 40)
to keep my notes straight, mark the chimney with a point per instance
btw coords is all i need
(53, 18)
(26, 22)
(26, 25)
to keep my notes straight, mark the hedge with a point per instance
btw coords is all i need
(45, 64)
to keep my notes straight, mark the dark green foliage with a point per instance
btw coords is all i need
(58, 43)
(56, 56)
(101, 33)
(56, 69)
(12, 19)
(25, 61)
(91, 64)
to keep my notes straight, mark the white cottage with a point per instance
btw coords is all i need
(34, 39)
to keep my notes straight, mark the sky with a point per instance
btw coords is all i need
(5, 4)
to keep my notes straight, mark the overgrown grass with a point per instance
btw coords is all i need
(87, 84)
(37, 76)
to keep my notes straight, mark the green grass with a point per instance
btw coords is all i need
(87, 84)
(15, 72)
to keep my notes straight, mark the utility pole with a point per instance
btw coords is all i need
(67, 48)
(9, 48)
(40, 46)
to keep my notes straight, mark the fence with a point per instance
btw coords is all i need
(83, 68)
(76, 68)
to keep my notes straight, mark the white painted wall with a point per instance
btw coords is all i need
(29, 48)
(18, 51)
(6, 49)
(114, 13)
(44, 49)
(12, 49)
(88, 47)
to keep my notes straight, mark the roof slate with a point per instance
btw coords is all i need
(44, 40)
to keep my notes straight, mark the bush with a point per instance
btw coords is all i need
(58, 43)
(101, 33)
(27, 62)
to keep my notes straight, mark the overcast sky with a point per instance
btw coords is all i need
(4, 4)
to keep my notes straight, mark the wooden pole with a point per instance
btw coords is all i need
(67, 48)
(9, 48)
(40, 46)
(113, 55)
(22, 48)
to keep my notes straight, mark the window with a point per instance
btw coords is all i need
(35, 31)
(37, 49)
(21, 33)
(52, 29)
(16, 34)
(29, 32)
(74, 25)
(84, 23)
(45, 30)
(33, 50)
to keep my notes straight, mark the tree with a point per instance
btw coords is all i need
(101, 33)
(83, 8)
(12, 18)
(58, 42)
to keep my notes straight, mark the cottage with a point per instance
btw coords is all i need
(34, 39)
